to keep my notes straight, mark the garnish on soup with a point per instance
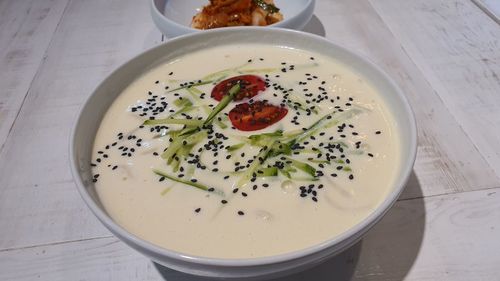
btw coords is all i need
(261, 150)
(256, 116)
(250, 86)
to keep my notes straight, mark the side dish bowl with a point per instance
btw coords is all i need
(87, 124)
(173, 17)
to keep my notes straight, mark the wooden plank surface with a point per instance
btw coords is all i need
(444, 55)
(490, 7)
(38, 200)
(26, 29)
(458, 51)
(442, 166)
(419, 239)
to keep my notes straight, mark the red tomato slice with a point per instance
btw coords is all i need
(250, 85)
(256, 116)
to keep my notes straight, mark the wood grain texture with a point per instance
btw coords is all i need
(448, 237)
(490, 7)
(26, 29)
(38, 200)
(443, 53)
(447, 160)
(397, 248)
(458, 51)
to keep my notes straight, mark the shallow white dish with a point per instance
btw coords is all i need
(173, 17)
(85, 129)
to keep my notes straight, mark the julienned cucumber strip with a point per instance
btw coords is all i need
(223, 103)
(194, 92)
(179, 142)
(165, 191)
(180, 102)
(286, 173)
(191, 85)
(219, 75)
(293, 137)
(267, 172)
(303, 166)
(168, 121)
(190, 183)
(235, 147)
(327, 120)
(190, 136)
(273, 145)
(184, 109)
(262, 139)
(258, 161)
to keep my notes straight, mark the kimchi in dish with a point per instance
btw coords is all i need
(224, 13)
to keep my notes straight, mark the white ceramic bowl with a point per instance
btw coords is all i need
(173, 17)
(97, 104)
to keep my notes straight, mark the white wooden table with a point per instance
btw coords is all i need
(445, 54)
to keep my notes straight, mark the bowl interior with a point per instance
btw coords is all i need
(182, 11)
(96, 106)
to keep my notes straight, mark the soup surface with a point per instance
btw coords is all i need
(294, 151)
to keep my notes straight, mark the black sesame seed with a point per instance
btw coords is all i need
(198, 210)
(241, 213)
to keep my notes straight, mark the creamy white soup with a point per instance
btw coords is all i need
(245, 151)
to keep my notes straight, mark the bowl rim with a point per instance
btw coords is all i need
(357, 230)
(188, 29)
